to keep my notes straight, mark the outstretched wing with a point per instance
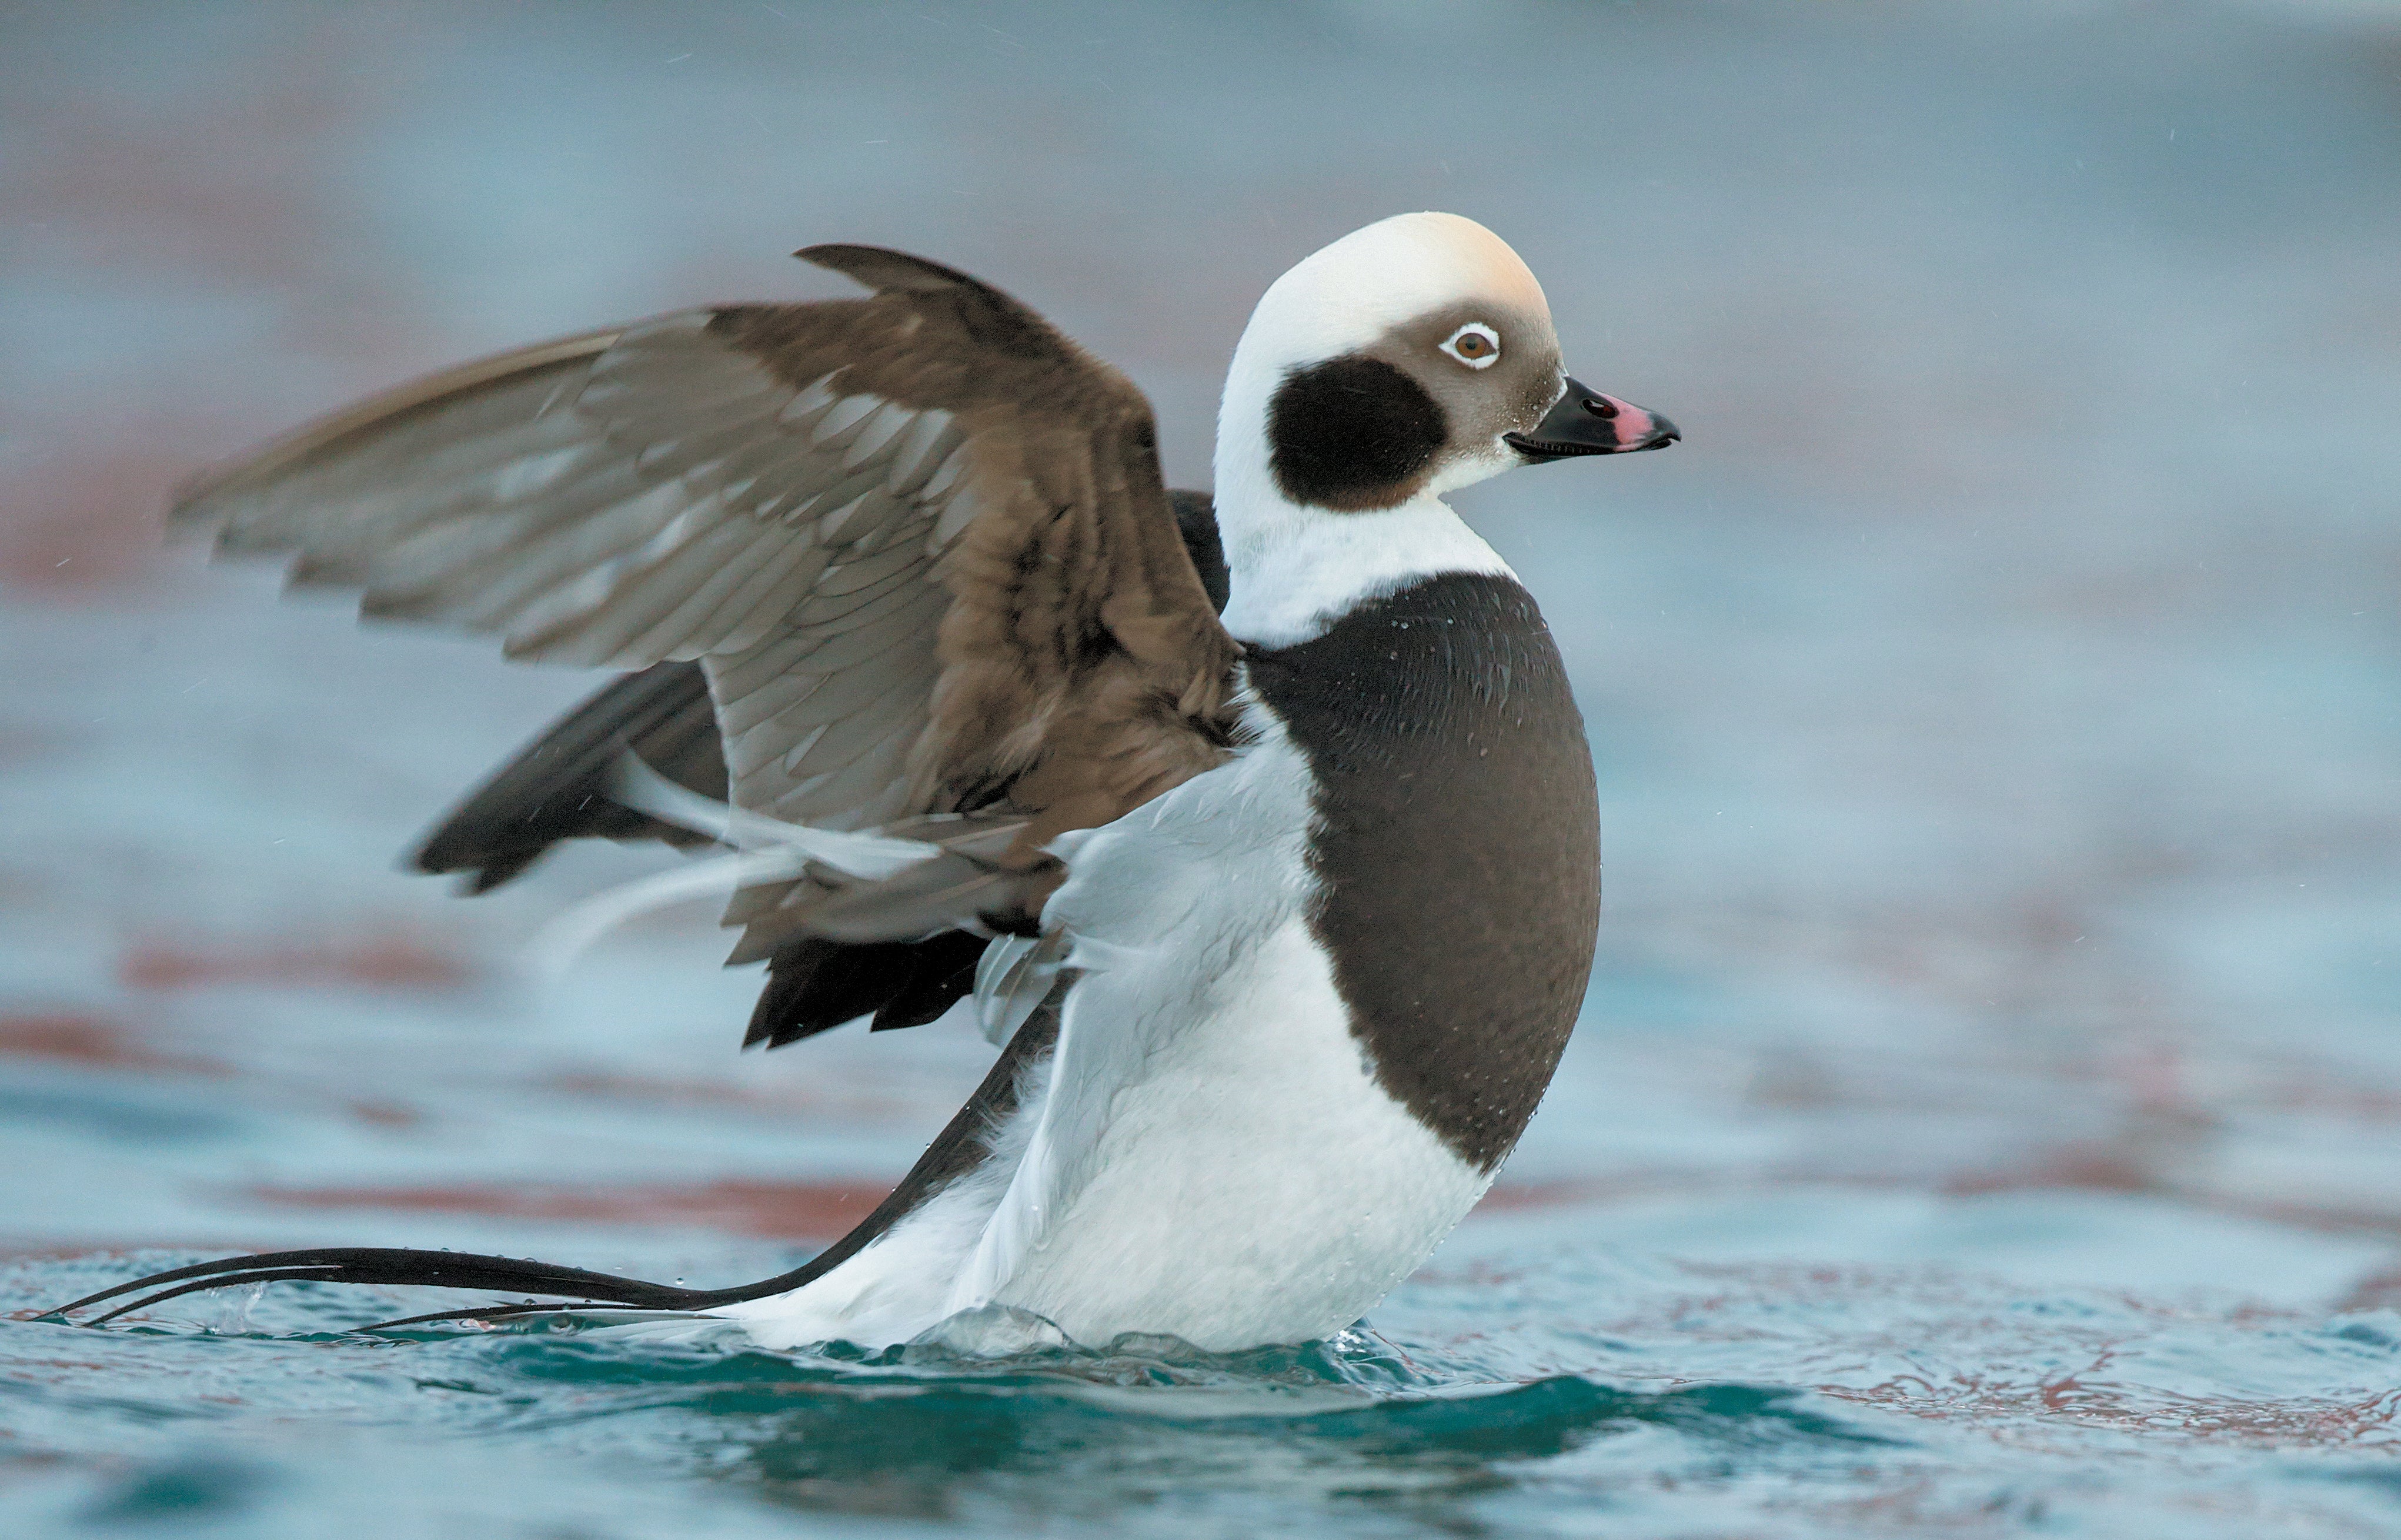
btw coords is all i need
(918, 543)
(560, 786)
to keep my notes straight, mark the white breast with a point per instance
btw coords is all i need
(1211, 1157)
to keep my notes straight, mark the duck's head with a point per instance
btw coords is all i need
(1405, 360)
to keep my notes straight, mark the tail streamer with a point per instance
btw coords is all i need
(394, 1265)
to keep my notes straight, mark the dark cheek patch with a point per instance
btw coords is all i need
(1352, 434)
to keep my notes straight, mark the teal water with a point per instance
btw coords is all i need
(1546, 1395)
(265, 1428)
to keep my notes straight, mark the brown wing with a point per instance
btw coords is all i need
(558, 786)
(918, 543)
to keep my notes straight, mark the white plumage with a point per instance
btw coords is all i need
(1207, 1153)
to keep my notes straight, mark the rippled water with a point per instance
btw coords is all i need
(1535, 1389)
(1986, 1119)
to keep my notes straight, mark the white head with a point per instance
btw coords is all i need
(1405, 360)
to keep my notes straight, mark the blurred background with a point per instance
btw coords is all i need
(1996, 697)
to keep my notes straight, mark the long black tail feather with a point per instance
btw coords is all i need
(962, 1145)
(400, 1265)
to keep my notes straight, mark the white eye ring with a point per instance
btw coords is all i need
(1491, 338)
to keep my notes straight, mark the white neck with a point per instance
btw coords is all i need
(1293, 571)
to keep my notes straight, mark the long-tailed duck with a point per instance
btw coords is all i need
(1283, 917)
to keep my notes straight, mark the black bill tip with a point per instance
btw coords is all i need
(1585, 422)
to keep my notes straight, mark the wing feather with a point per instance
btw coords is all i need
(845, 692)
(834, 651)
(826, 608)
(851, 743)
(869, 568)
(918, 542)
(661, 609)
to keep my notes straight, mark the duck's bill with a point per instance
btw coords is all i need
(1585, 422)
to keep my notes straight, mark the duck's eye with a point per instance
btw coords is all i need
(1475, 345)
